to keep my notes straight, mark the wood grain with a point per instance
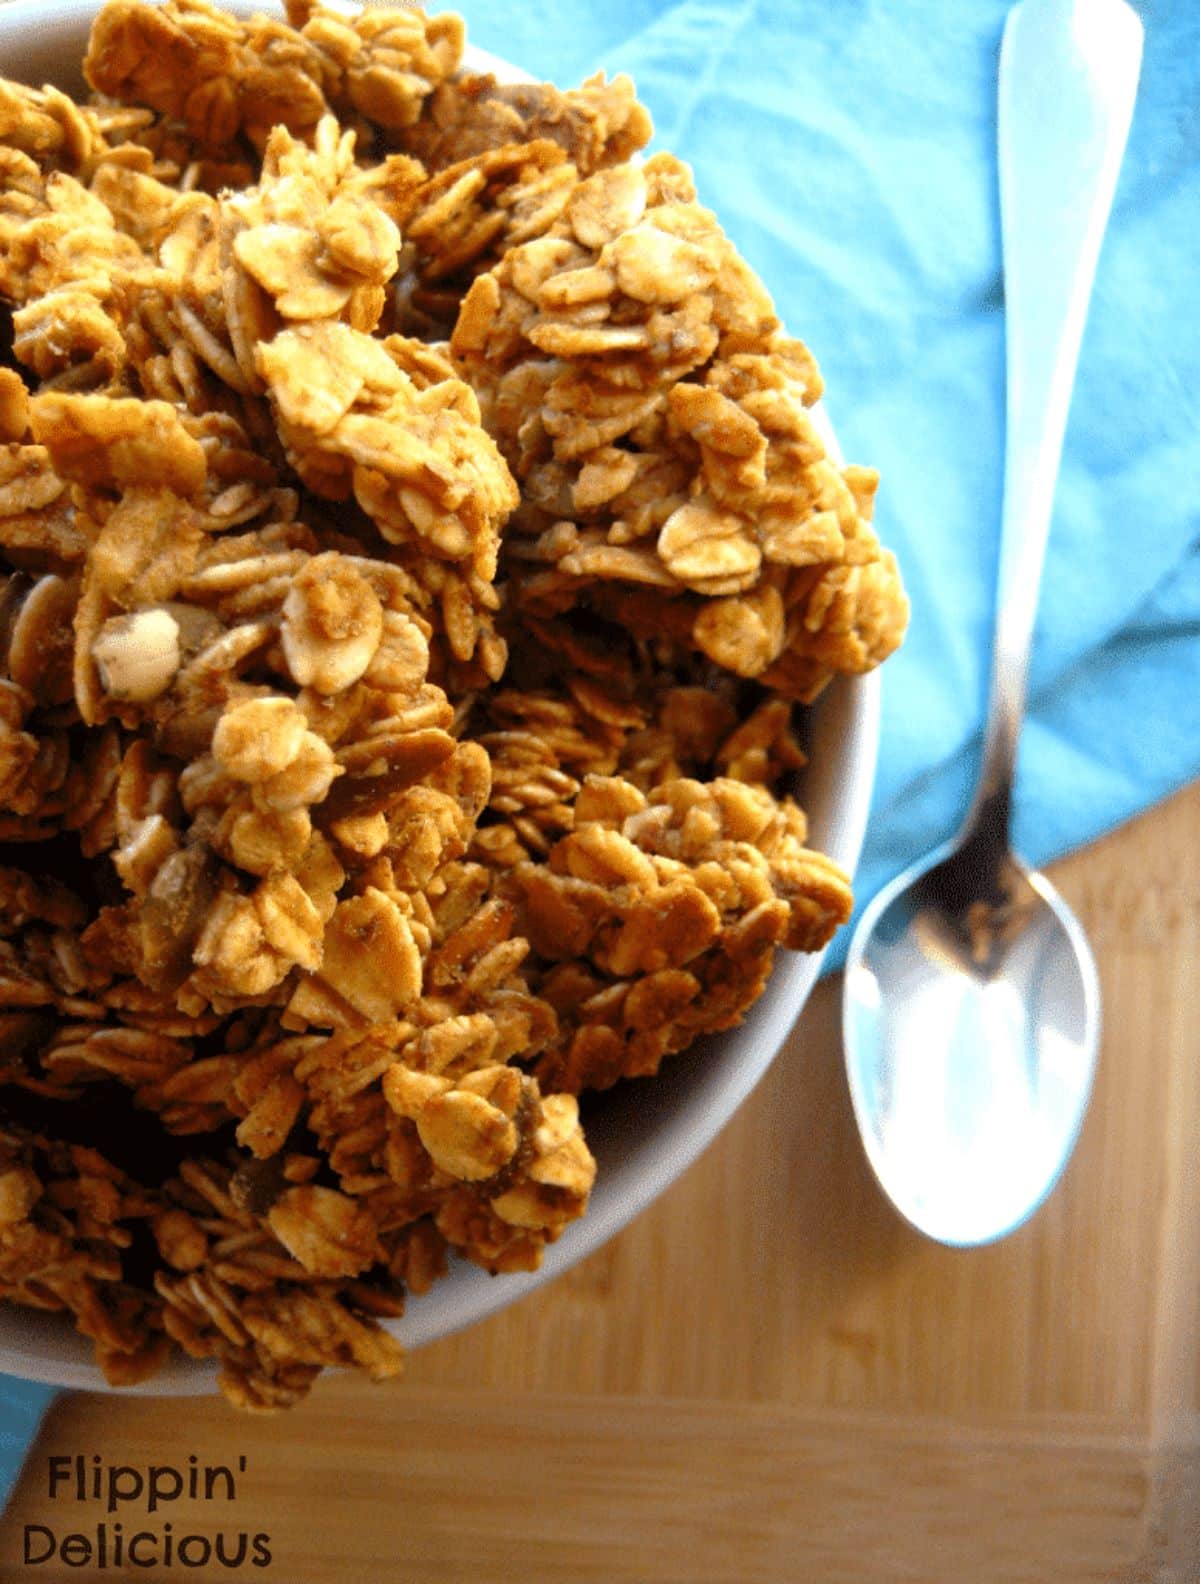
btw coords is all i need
(769, 1377)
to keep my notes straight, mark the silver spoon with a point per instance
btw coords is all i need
(972, 1004)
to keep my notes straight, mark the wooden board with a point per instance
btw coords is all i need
(769, 1377)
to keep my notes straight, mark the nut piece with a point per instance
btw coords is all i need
(137, 655)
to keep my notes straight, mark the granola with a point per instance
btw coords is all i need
(416, 549)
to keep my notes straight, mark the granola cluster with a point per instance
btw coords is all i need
(415, 545)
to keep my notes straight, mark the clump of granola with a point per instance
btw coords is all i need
(673, 478)
(415, 543)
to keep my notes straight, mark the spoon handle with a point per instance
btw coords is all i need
(1068, 76)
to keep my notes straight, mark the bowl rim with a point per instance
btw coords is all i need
(43, 1348)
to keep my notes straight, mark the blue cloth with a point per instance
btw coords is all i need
(849, 151)
(22, 1404)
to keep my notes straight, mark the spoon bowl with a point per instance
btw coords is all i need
(952, 958)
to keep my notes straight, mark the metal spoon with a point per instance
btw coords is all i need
(972, 1005)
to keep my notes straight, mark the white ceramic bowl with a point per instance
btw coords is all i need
(644, 1133)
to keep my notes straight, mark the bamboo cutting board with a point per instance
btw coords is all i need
(768, 1377)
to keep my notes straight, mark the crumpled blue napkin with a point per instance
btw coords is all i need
(849, 151)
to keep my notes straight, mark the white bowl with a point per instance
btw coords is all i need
(645, 1134)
